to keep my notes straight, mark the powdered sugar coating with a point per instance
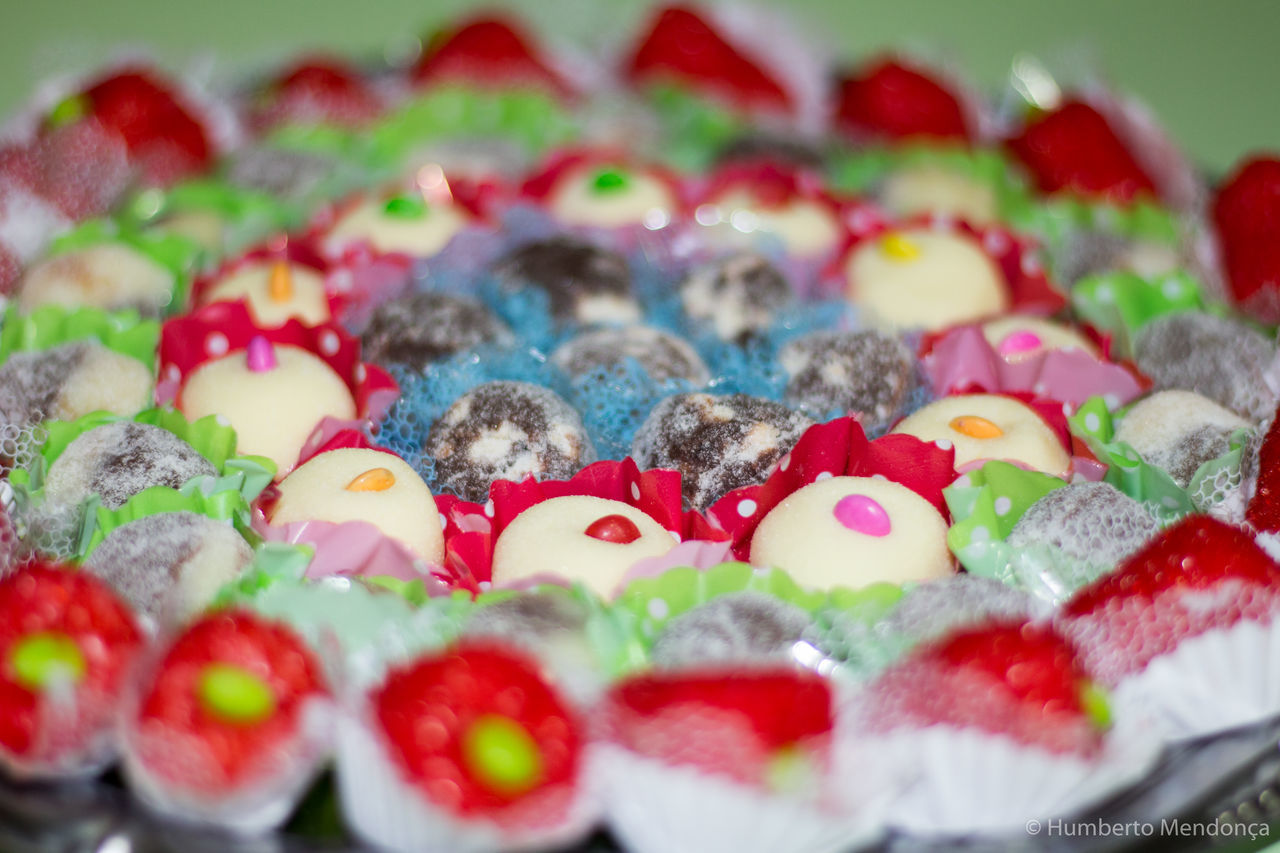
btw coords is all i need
(1179, 431)
(717, 443)
(71, 380)
(736, 295)
(506, 431)
(118, 460)
(866, 373)
(583, 282)
(662, 355)
(1092, 522)
(419, 328)
(742, 628)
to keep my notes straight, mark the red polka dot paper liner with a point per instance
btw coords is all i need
(963, 361)
(356, 548)
(228, 722)
(1186, 633)
(282, 250)
(838, 448)
(1029, 288)
(211, 332)
(656, 493)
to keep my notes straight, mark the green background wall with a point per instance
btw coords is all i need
(1211, 70)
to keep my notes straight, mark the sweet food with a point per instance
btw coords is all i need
(72, 380)
(663, 356)
(1178, 431)
(113, 276)
(425, 326)
(989, 426)
(275, 291)
(736, 295)
(582, 282)
(869, 374)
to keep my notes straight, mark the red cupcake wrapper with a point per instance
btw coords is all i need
(469, 541)
(1030, 290)
(837, 448)
(539, 186)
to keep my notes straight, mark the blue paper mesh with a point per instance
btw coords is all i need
(615, 400)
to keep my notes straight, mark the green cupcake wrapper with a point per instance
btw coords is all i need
(353, 164)
(695, 129)
(858, 171)
(49, 326)
(1095, 424)
(1121, 303)
(653, 602)
(612, 635)
(273, 562)
(251, 215)
(985, 505)
(1056, 218)
(180, 256)
(534, 120)
(221, 503)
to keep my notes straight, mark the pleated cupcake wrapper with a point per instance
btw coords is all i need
(49, 326)
(954, 782)
(1121, 303)
(1095, 424)
(535, 120)
(1209, 683)
(655, 807)
(218, 498)
(694, 129)
(861, 170)
(250, 214)
(653, 602)
(384, 809)
(1058, 218)
(273, 563)
(963, 361)
(178, 255)
(259, 805)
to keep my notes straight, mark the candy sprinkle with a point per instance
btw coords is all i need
(373, 480)
(899, 248)
(975, 426)
(280, 283)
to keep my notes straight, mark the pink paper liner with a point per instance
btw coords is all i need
(836, 448)
(1027, 280)
(963, 361)
(693, 553)
(469, 544)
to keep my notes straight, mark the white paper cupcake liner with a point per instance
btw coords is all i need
(249, 809)
(953, 781)
(1219, 680)
(654, 807)
(385, 810)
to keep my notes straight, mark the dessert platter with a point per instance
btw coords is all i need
(707, 445)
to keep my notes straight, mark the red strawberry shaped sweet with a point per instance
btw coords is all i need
(766, 728)
(488, 51)
(1198, 575)
(1246, 214)
(1074, 149)
(1017, 679)
(66, 644)
(223, 709)
(165, 142)
(81, 168)
(10, 270)
(682, 47)
(895, 101)
(1264, 509)
(318, 89)
(479, 733)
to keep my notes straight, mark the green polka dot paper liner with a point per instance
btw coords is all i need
(1096, 425)
(1056, 220)
(653, 602)
(860, 171)
(1121, 303)
(534, 120)
(273, 562)
(50, 326)
(178, 255)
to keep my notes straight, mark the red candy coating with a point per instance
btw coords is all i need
(1074, 148)
(485, 50)
(895, 101)
(195, 746)
(613, 528)
(1246, 214)
(1264, 509)
(61, 605)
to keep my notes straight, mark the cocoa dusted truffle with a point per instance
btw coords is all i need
(69, 381)
(869, 374)
(117, 460)
(419, 328)
(663, 356)
(736, 295)
(741, 628)
(506, 431)
(1092, 522)
(583, 283)
(1216, 357)
(718, 444)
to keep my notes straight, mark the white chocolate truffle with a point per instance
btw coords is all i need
(851, 532)
(610, 198)
(804, 227)
(1179, 431)
(988, 426)
(275, 291)
(550, 538)
(358, 484)
(930, 188)
(920, 278)
(400, 224)
(273, 411)
(1016, 337)
(111, 276)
